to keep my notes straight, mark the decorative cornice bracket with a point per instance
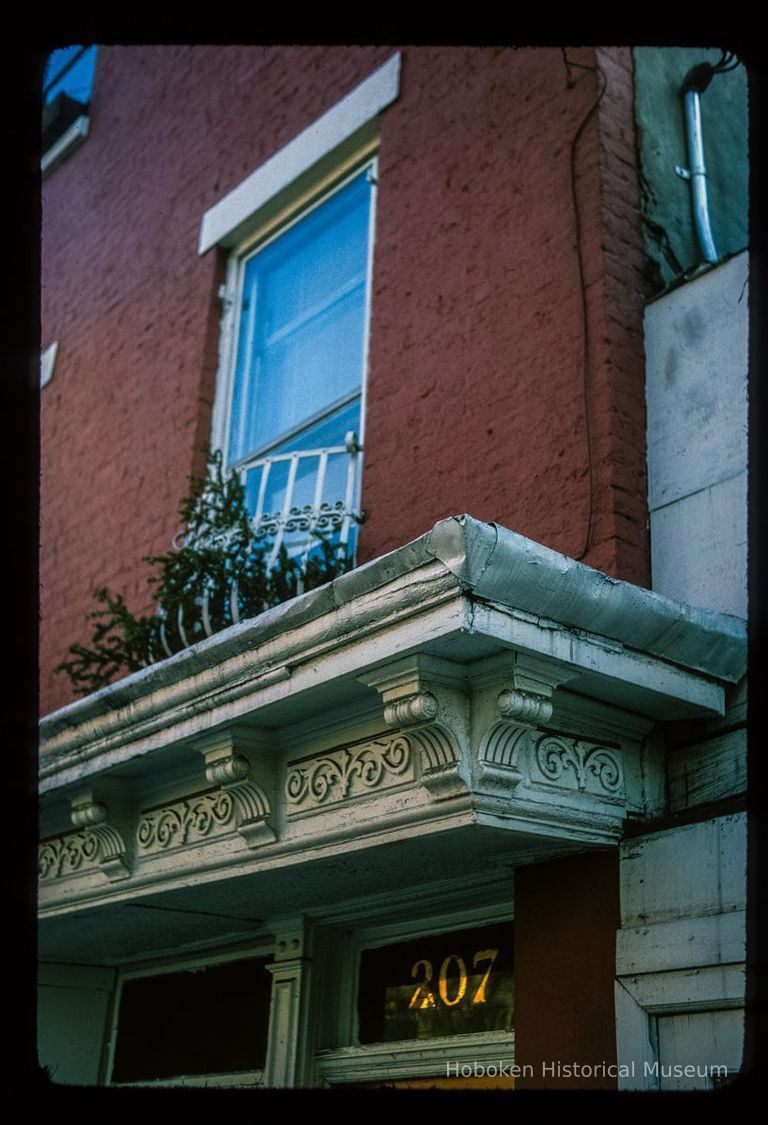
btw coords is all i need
(421, 707)
(227, 764)
(524, 707)
(97, 844)
(527, 686)
(499, 758)
(93, 816)
(425, 698)
(513, 695)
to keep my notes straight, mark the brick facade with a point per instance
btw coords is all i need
(566, 916)
(476, 385)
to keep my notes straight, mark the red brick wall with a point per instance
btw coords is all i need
(566, 917)
(476, 386)
(134, 308)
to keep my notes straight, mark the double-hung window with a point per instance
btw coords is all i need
(290, 401)
(293, 417)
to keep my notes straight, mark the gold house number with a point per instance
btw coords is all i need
(424, 995)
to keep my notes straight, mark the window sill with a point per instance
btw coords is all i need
(247, 1079)
(418, 1058)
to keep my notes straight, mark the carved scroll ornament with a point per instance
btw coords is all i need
(185, 822)
(341, 774)
(565, 761)
(97, 845)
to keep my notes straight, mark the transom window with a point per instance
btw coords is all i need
(203, 1022)
(415, 999)
(461, 982)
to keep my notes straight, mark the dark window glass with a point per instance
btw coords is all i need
(208, 1020)
(443, 984)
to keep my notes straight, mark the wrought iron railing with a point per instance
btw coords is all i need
(329, 476)
(297, 499)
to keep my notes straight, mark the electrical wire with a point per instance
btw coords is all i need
(727, 61)
(602, 84)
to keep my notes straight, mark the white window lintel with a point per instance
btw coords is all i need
(222, 221)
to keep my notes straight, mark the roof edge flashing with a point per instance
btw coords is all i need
(487, 562)
(464, 546)
(500, 565)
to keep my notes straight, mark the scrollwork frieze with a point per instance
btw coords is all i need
(68, 855)
(347, 773)
(185, 822)
(573, 763)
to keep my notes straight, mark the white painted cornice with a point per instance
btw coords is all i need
(501, 566)
(465, 590)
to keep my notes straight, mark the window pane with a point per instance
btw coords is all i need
(300, 343)
(209, 1020)
(328, 431)
(444, 984)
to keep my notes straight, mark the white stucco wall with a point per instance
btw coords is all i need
(695, 870)
(680, 953)
(696, 341)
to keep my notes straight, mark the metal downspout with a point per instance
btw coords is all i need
(694, 84)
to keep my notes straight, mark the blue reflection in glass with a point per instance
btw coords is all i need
(302, 321)
(69, 70)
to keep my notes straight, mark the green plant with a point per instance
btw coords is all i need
(215, 575)
(120, 643)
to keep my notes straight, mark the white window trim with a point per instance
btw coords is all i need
(223, 223)
(642, 998)
(417, 1058)
(74, 136)
(47, 363)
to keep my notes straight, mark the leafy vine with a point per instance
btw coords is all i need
(215, 575)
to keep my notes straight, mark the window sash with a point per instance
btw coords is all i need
(262, 379)
(337, 426)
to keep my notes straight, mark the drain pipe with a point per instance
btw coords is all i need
(694, 84)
